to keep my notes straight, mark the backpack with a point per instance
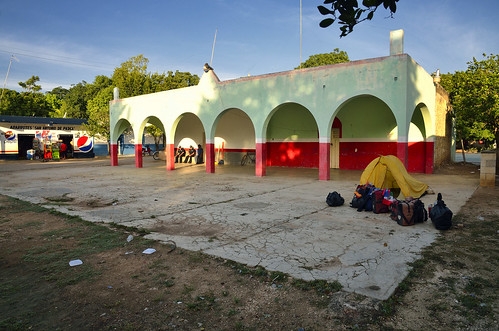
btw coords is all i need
(409, 212)
(362, 198)
(441, 215)
(334, 199)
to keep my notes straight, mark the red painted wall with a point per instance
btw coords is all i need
(293, 154)
(357, 155)
(353, 155)
(416, 161)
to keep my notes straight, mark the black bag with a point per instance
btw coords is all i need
(334, 199)
(441, 215)
(363, 199)
(369, 202)
(358, 203)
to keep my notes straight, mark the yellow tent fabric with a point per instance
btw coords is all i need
(388, 171)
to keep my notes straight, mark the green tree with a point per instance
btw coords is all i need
(100, 82)
(30, 85)
(98, 113)
(131, 77)
(74, 103)
(59, 91)
(30, 102)
(33, 104)
(55, 104)
(54, 99)
(10, 103)
(170, 81)
(348, 13)
(157, 134)
(475, 98)
(323, 59)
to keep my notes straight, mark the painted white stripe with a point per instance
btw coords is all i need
(367, 140)
(307, 140)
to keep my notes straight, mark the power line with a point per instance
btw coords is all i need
(61, 59)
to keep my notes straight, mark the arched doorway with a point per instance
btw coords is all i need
(368, 129)
(292, 137)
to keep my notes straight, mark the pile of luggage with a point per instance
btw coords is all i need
(406, 212)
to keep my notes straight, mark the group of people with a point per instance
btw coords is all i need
(189, 155)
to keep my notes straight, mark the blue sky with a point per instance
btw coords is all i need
(66, 42)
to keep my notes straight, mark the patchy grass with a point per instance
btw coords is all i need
(453, 286)
(468, 257)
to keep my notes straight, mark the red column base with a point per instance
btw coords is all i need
(210, 158)
(113, 150)
(138, 156)
(324, 161)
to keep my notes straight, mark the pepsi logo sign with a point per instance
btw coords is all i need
(85, 144)
(9, 135)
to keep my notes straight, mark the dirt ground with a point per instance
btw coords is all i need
(453, 287)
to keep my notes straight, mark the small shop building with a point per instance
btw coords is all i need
(24, 137)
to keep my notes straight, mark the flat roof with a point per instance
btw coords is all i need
(41, 120)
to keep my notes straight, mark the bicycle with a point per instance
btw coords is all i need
(249, 157)
(155, 155)
(146, 151)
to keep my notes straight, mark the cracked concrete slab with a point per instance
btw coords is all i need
(280, 222)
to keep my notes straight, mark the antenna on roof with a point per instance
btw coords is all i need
(213, 47)
(301, 31)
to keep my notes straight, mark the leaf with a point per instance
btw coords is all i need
(358, 13)
(325, 11)
(346, 18)
(326, 22)
(370, 15)
(372, 3)
(353, 4)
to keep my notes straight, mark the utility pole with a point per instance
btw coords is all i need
(12, 57)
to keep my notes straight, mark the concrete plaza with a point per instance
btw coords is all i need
(280, 222)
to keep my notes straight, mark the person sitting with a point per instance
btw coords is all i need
(199, 157)
(180, 154)
(190, 155)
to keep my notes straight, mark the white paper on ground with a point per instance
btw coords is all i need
(73, 263)
(149, 251)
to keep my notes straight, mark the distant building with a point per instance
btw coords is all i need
(17, 134)
(337, 116)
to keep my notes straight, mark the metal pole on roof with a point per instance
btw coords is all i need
(213, 48)
(301, 30)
